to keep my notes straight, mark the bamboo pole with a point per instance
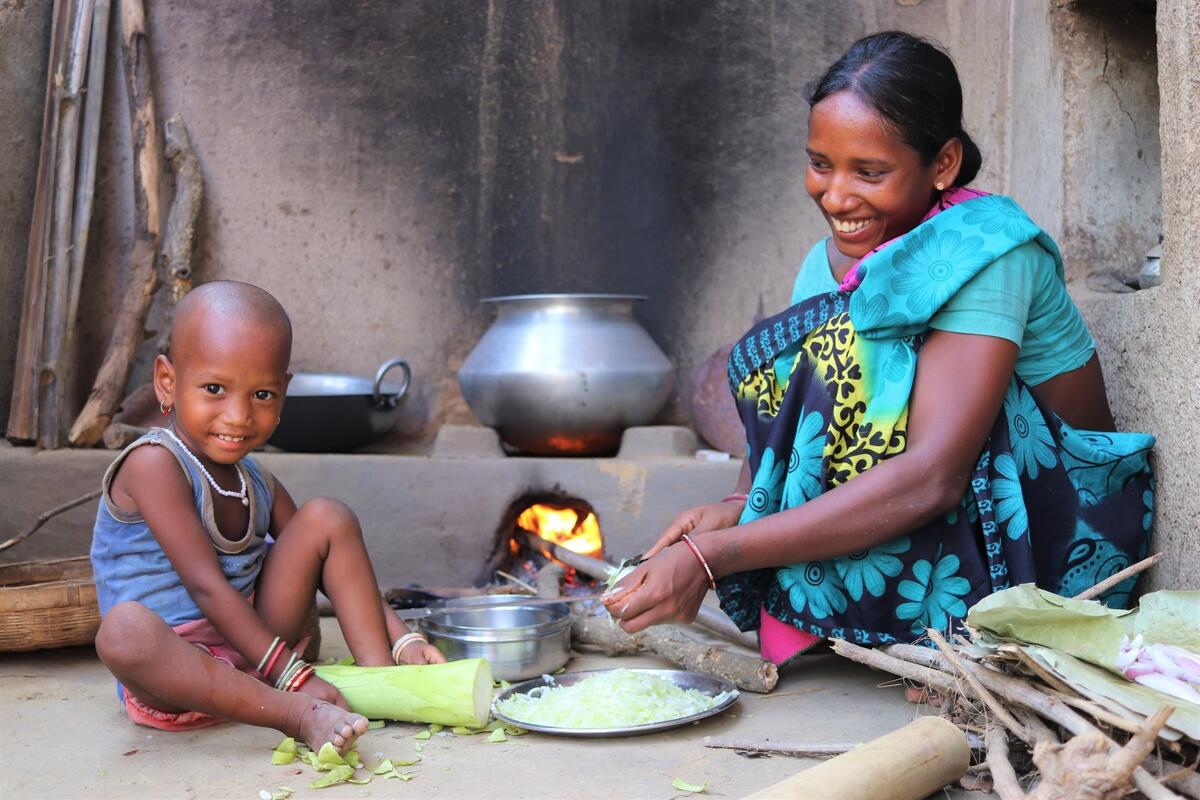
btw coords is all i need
(52, 369)
(142, 277)
(89, 147)
(23, 409)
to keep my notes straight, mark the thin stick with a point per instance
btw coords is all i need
(1112, 580)
(46, 517)
(517, 581)
(782, 748)
(988, 699)
(1004, 777)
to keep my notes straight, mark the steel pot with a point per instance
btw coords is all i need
(330, 412)
(565, 374)
(519, 641)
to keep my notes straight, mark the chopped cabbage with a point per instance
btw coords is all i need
(616, 699)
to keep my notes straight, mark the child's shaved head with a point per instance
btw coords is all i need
(216, 307)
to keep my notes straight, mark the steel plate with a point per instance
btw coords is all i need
(684, 679)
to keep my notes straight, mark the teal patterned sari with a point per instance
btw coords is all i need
(823, 391)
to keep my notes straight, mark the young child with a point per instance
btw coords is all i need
(203, 620)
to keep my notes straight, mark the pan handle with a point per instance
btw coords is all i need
(387, 403)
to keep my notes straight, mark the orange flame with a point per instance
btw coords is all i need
(563, 527)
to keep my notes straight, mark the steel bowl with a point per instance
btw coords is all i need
(519, 641)
(328, 412)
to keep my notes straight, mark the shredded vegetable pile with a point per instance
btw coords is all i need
(615, 699)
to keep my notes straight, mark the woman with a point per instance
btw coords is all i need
(927, 423)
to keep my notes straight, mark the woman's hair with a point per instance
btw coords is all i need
(913, 85)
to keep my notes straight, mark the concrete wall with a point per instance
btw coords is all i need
(24, 43)
(1149, 339)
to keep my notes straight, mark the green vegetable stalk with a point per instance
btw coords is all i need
(457, 693)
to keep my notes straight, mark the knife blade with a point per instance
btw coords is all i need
(427, 611)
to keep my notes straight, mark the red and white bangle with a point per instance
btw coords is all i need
(712, 583)
(736, 497)
(403, 642)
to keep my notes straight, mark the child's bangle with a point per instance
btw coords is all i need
(712, 584)
(288, 669)
(404, 641)
(275, 657)
(736, 497)
(266, 655)
(302, 675)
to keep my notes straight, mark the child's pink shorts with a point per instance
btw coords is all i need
(204, 635)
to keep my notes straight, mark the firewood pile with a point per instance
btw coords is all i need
(1043, 736)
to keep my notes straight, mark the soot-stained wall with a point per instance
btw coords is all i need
(382, 166)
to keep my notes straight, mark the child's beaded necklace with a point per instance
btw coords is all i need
(241, 494)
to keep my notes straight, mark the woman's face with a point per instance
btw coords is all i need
(868, 183)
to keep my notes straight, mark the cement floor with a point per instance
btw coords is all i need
(63, 736)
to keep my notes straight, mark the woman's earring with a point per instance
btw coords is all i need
(162, 406)
(939, 186)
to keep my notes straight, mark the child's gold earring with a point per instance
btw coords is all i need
(164, 408)
(940, 186)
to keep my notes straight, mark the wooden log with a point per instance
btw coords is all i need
(180, 235)
(668, 641)
(907, 764)
(142, 276)
(708, 618)
(118, 435)
(22, 419)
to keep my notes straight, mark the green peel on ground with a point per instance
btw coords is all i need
(285, 753)
(423, 735)
(498, 736)
(337, 774)
(684, 786)
(376, 724)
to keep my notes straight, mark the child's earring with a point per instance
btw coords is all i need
(939, 186)
(164, 408)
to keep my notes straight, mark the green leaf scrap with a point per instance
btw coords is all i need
(498, 736)
(339, 773)
(423, 735)
(436, 727)
(684, 786)
(285, 753)
(376, 724)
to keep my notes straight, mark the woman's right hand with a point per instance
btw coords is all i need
(700, 519)
(323, 690)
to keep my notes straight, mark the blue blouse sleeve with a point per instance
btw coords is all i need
(1021, 297)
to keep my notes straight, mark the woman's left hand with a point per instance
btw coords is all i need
(668, 588)
(421, 653)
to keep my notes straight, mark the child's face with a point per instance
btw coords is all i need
(869, 184)
(227, 383)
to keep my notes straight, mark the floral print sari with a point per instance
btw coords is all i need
(823, 391)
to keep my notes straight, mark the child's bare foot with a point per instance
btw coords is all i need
(317, 722)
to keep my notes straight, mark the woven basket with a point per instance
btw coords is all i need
(45, 604)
